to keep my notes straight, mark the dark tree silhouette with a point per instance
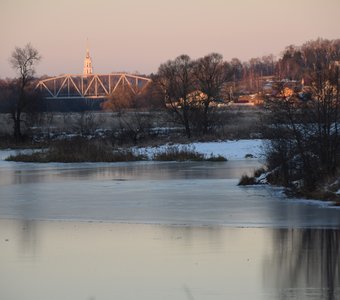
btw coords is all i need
(176, 80)
(23, 61)
(210, 74)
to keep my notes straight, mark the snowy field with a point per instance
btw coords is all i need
(232, 150)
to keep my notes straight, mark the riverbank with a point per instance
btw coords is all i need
(99, 151)
(326, 191)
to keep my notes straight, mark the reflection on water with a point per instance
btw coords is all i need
(28, 237)
(207, 255)
(305, 263)
(147, 262)
(22, 173)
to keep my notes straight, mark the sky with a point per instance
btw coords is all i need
(137, 36)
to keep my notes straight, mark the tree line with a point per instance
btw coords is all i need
(189, 89)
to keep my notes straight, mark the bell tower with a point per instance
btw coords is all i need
(88, 63)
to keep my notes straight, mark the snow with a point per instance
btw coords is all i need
(262, 179)
(8, 152)
(232, 150)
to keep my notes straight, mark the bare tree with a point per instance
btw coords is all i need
(210, 73)
(23, 60)
(175, 77)
(325, 114)
(305, 144)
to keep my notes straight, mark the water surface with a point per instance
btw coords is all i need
(160, 231)
(72, 260)
(201, 193)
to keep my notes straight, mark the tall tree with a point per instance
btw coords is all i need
(210, 73)
(23, 61)
(175, 77)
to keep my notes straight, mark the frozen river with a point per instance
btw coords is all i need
(160, 231)
(187, 193)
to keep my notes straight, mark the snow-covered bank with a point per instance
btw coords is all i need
(8, 152)
(232, 150)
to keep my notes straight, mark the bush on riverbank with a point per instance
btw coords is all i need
(260, 176)
(324, 191)
(175, 153)
(247, 180)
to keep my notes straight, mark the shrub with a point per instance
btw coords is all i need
(247, 180)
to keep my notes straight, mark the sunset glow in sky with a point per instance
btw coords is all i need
(140, 35)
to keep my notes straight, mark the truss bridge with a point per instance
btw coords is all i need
(90, 86)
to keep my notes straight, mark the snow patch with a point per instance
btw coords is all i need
(232, 150)
(262, 179)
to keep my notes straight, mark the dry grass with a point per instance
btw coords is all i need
(175, 153)
(231, 123)
(184, 153)
(78, 150)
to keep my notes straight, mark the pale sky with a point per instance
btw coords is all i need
(138, 35)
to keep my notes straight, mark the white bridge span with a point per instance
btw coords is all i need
(92, 86)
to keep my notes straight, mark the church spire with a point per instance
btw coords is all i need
(88, 62)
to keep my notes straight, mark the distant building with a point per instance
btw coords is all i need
(88, 63)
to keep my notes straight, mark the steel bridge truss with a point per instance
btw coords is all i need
(94, 86)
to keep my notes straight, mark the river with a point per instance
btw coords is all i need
(151, 230)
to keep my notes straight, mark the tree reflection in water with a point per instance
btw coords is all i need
(305, 264)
